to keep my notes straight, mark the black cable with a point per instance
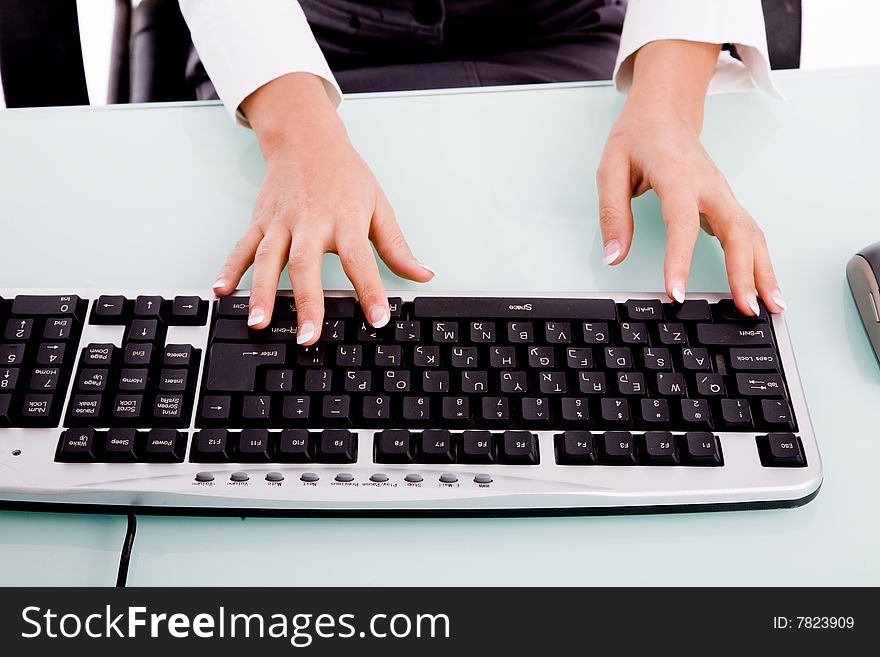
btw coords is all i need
(125, 556)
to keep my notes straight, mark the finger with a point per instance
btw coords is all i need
(304, 268)
(765, 278)
(268, 263)
(238, 261)
(614, 183)
(740, 259)
(359, 265)
(392, 246)
(682, 217)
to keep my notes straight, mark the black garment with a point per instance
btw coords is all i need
(395, 45)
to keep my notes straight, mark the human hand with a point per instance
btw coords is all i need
(318, 196)
(655, 144)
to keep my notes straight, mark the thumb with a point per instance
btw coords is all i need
(615, 210)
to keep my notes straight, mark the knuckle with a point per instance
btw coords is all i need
(609, 217)
(355, 258)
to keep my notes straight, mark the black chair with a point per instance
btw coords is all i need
(152, 50)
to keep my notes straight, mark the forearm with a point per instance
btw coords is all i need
(291, 108)
(674, 76)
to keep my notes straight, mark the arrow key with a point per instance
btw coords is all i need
(143, 330)
(109, 310)
(148, 307)
(189, 311)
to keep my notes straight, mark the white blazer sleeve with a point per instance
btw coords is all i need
(244, 45)
(740, 22)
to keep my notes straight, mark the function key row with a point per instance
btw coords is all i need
(262, 445)
(441, 446)
(651, 448)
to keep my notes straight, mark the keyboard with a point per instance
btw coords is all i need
(164, 401)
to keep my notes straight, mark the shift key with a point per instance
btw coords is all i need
(734, 334)
(233, 367)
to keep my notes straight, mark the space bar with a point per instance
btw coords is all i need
(515, 308)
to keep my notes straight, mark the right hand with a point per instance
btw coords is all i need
(318, 196)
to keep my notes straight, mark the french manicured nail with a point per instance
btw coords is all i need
(753, 306)
(778, 300)
(678, 294)
(306, 332)
(219, 284)
(257, 315)
(426, 267)
(612, 250)
(378, 316)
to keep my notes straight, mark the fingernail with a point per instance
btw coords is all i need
(306, 332)
(219, 284)
(612, 250)
(753, 306)
(423, 266)
(378, 316)
(677, 294)
(778, 300)
(257, 315)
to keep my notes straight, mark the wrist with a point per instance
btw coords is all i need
(671, 78)
(290, 110)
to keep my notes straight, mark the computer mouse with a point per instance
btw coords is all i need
(863, 273)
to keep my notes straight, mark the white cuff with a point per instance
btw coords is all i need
(740, 22)
(245, 45)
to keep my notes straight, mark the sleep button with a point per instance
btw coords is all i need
(204, 477)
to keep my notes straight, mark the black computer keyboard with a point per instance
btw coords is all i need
(166, 401)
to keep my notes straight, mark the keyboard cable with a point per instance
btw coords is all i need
(125, 555)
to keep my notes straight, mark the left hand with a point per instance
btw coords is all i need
(655, 144)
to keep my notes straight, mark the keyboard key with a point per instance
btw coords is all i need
(336, 446)
(456, 409)
(296, 408)
(496, 409)
(109, 310)
(575, 448)
(735, 414)
(435, 446)
(644, 309)
(710, 385)
(173, 380)
(696, 359)
(671, 384)
(781, 450)
(618, 358)
(18, 329)
(615, 412)
(59, 328)
(76, 446)
(407, 331)
(726, 311)
(120, 445)
(180, 355)
(164, 445)
(509, 308)
(188, 311)
(294, 446)
(483, 332)
(256, 408)
(634, 333)
(520, 332)
(36, 410)
(13, 354)
(519, 448)
(777, 413)
(657, 359)
(233, 367)
(734, 334)
(596, 333)
(47, 354)
(655, 412)
(377, 410)
(137, 354)
(619, 448)
(143, 330)
(702, 448)
(696, 310)
(393, 446)
(98, 355)
(695, 413)
(476, 447)
(9, 379)
(443, 332)
(216, 408)
(34, 306)
(672, 334)
(211, 446)
(127, 410)
(336, 408)
(149, 307)
(85, 409)
(43, 379)
(233, 307)
(558, 332)
(253, 446)
(660, 448)
(760, 385)
(754, 360)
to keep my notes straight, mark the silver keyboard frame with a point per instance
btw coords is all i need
(34, 480)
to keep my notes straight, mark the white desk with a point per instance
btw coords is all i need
(495, 190)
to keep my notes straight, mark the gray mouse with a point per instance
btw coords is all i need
(863, 273)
